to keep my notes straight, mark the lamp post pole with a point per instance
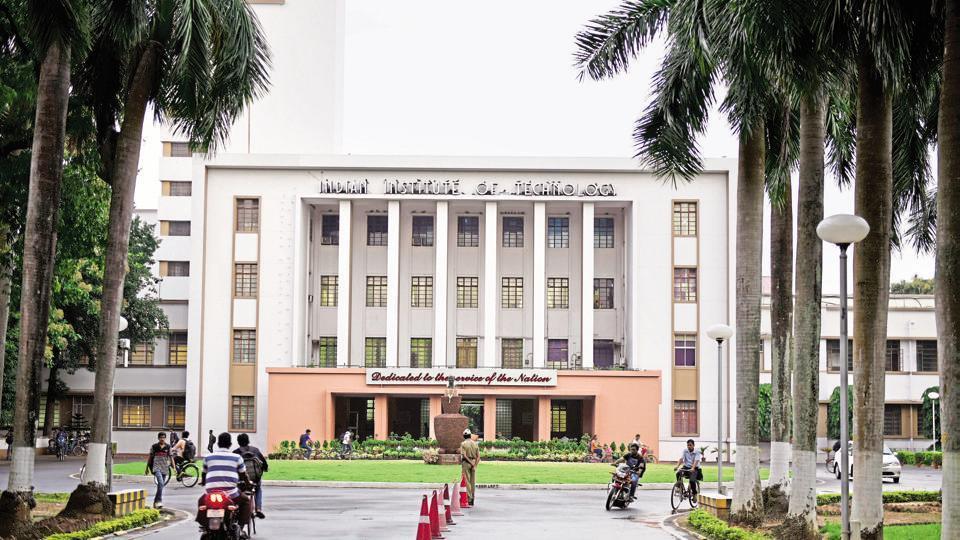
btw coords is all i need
(934, 396)
(720, 333)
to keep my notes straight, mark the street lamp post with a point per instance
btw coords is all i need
(934, 396)
(719, 332)
(843, 230)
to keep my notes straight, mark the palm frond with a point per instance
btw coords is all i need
(64, 21)
(841, 133)
(783, 149)
(608, 43)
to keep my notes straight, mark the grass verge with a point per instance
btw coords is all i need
(930, 531)
(103, 528)
(61, 498)
(717, 529)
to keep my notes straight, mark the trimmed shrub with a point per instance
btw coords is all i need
(103, 528)
(717, 529)
(888, 497)
(906, 457)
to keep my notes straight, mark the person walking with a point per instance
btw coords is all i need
(159, 466)
(470, 458)
(305, 444)
(211, 440)
(9, 441)
(256, 465)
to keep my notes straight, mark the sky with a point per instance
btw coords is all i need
(443, 77)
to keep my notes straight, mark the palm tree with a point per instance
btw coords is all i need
(199, 63)
(781, 317)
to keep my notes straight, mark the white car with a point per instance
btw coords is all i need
(891, 465)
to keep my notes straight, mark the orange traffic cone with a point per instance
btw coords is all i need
(423, 528)
(446, 506)
(464, 503)
(455, 500)
(434, 517)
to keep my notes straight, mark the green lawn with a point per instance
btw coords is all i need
(490, 472)
(52, 497)
(893, 532)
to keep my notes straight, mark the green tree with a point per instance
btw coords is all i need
(833, 412)
(925, 418)
(764, 411)
(917, 285)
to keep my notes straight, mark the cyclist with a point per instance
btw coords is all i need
(61, 443)
(634, 460)
(689, 465)
(256, 465)
(184, 451)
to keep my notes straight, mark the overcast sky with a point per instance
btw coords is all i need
(444, 77)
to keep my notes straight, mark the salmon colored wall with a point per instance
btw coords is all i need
(623, 402)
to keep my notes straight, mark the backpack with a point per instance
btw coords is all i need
(254, 467)
(189, 450)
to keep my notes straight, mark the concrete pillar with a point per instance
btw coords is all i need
(539, 281)
(435, 410)
(489, 418)
(381, 416)
(589, 416)
(344, 271)
(328, 430)
(440, 286)
(586, 297)
(543, 418)
(632, 260)
(491, 286)
(393, 283)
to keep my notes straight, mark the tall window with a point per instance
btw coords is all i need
(892, 362)
(327, 351)
(180, 189)
(603, 353)
(376, 291)
(558, 293)
(603, 232)
(684, 284)
(244, 346)
(142, 354)
(242, 413)
(175, 228)
(504, 421)
(468, 292)
(174, 268)
(927, 355)
(245, 281)
(421, 291)
(558, 417)
(330, 230)
(511, 353)
(602, 293)
(133, 411)
(375, 352)
(892, 421)
(421, 352)
(833, 355)
(377, 230)
(685, 350)
(423, 230)
(328, 290)
(558, 232)
(248, 215)
(684, 219)
(511, 293)
(466, 352)
(175, 412)
(177, 349)
(513, 231)
(55, 421)
(468, 231)
(684, 417)
(557, 354)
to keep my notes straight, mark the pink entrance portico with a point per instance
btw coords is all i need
(616, 405)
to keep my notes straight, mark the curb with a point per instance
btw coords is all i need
(669, 524)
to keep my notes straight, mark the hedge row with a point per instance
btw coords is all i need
(888, 497)
(103, 528)
(920, 458)
(717, 529)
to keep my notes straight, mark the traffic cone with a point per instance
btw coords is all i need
(446, 506)
(455, 500)
(423, 528)
(434, 517)
(464, 502)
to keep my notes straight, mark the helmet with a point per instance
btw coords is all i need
(467, 433)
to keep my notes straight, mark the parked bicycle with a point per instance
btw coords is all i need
(681, 491)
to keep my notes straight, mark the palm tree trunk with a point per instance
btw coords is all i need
(873, 201)
(947, 288)
(747, 497)
(806, 318)
(781, 315)
(123, 180)
(46, 173)
(6, 268)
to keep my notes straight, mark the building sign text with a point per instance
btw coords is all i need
(463, 377)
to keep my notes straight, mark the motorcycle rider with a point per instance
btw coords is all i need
(223, 471)
(637, 465)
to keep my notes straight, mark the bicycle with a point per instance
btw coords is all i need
(682, 491)
(649, 456)
(188, 474)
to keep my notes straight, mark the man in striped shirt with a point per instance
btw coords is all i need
(222, 471)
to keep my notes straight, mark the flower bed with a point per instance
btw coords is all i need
(103, 528)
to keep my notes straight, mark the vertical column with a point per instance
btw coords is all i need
(440, 286)
(381, 414)
(393, 282)
(344, 272)
(632, 259)
(435, 410)
(539, 281)
(586, 288)
(489, 418)
(543, 416)
(490, 288)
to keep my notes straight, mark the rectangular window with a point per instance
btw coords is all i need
(558, 354)
(893, 356)
(180, 149)
(133, 412)
(466, 352)
(327, 351)
(83, 408)
(244, 346)
(142, 354)
(684, 219)
(175, 412)
(511, 353)
(603, 353)
(684, 417)
(174, 268)
(685, 350)
(377, 230)
(375, 352)
(245, 280)
(513, 231)
(248, 215)
(421, 352)
(684, 284)
(328, 290)
(179, 189)
(242, 413)
(468, 231)
(504, 419)
(603, 232)
(376, 291)
(423, 231)
(558, 232)
(558, 293)
(892, 421)
(177, 349)
(833, 355)
(558, 418)
(511, 293)
(602, 293)
(330, 230)
(468, 292)
(175, 228)
(421, 291)
(927, 355)
(55, 422)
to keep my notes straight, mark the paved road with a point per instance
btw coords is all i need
(912, 477)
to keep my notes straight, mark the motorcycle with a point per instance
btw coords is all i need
(220, 518)
(618, 490)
